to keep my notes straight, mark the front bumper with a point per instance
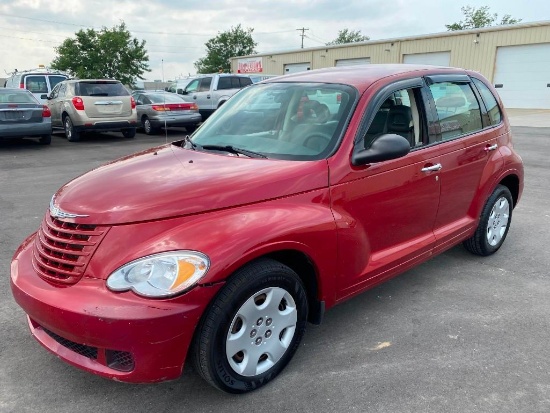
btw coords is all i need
(119, 336)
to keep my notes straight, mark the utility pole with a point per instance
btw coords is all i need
(303, 29)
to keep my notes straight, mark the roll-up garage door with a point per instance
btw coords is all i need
(434, 58)
(296, 67)
(522, 76)
(353, 62)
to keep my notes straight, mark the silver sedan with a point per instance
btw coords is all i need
(158, 110)
(23, 116)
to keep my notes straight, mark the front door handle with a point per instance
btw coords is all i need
(491, 148)
(432, 168)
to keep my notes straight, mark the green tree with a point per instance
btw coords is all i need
(479, 17)
(348, 36)
(107, 53)
(234, 42)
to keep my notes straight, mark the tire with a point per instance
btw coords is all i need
(71, 133)
(252, 328)
(494, 223)
(129, 133)
(45, 139)
(148, 127)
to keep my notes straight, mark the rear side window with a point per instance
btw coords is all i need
(224, 83)
(457, 108)
(245, 81)
(36, 84)
(495, 117)
(100, 89)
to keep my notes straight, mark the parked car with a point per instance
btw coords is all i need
(81, 105)
(23, 116)
(219, 248)
(39, 82)
(179, 85)
(156, 110)
(211, 91)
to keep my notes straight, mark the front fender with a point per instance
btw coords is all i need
(233, 237)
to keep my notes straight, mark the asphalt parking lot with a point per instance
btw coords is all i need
(459, 333)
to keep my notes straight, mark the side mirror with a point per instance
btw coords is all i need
(166, 89)
(384, 148)
(181, 92)
(45, 96)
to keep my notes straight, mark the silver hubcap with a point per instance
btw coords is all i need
(68, 128)
(147, 126)
(498, 221)
(261, 331)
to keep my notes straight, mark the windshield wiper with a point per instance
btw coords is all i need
(190, 142)
(233, 149)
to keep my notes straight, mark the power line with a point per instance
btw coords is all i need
(303, 29)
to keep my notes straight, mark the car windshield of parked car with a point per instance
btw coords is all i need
(293, 121)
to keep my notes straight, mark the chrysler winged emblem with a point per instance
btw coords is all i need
(57, 212)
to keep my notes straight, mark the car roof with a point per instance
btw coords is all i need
(362, 76)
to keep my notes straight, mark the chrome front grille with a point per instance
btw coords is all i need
(62, 250)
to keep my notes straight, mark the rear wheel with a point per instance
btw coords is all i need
(129, 133)
(253, 327)
(45, 139)
(148, 128)
(71, 133)
(494, 223)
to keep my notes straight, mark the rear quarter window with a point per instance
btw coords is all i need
(493, 111)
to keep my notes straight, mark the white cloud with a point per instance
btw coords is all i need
(176, 31)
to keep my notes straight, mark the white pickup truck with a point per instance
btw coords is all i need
(209, 92)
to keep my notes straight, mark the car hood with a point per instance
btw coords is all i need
(170, 181)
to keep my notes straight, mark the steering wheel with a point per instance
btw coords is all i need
(317, 141)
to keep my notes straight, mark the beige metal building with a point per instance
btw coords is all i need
(516, 58)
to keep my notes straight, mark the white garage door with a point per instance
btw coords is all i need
(435, 58)
(296, 67)
(522, 76)
(353, 62)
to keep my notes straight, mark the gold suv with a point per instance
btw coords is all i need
(81, 105)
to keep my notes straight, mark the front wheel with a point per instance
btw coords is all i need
(253, 327)
(494, 223)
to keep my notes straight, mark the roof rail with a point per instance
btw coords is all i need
(41, 69)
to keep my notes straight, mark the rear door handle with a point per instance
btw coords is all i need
(432, 168)
(491, 148)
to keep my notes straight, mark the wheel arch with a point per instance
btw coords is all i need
(512, 183)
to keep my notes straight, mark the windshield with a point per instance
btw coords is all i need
(294, 121)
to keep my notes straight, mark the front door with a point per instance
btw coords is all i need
(387, 210)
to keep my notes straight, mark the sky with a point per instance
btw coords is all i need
(176, 31)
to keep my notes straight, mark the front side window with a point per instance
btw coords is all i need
(493, 111)
(457, 109)
(205, 84)
(399, 114)
(294, 121)
(54, 80)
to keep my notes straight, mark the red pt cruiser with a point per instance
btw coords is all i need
(299, 193)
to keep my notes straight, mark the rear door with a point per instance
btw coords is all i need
(466, 142)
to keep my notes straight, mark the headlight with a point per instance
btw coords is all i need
(160, 275)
